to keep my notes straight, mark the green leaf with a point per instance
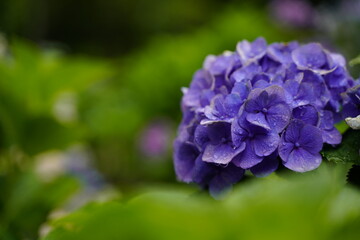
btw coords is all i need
(27, 201)
(355, 61)
(347, 151)
(342, 127)
(315, 205)
(43, 133)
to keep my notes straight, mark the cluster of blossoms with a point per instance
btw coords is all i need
(258, 107)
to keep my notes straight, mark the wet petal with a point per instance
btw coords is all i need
(351, 110)
(232, 104)
(251, 51)
(247, 158)
(292, 132)
(224, 179)
(285, 149)
(201, 82)
(307, 113)
(203, 172)
(245, 73)
(310, 56)
(218, 132)
(261, 84)
(311, 139)
(282, 53)
(184, 160)
(268, 165)
(326, 120)
(265, 144)
(222, 153)
(241, 89)
(216, 109)
(252, 106)
(238, 133)
(278, 117)
(332, 136)
(302, 161)
(258, 119)
(217, 65)
(276, 94)
(201, 136)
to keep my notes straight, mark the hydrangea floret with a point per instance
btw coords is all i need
(260, 107)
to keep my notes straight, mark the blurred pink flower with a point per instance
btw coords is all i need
(155, 139)
(295, 13)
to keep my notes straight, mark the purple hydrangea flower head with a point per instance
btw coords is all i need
(258, 107)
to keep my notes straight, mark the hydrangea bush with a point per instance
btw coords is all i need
(258, 107)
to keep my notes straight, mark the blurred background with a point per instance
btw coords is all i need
(90, 90)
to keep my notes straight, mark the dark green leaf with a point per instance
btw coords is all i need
(347, 152)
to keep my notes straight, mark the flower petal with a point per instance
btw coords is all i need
(251, 51)
(258, 119)
(307, 113)
(201, 136)
(241, 89)
(265, 144)
(302, 161)
(217, 65)
(247, 158)
(278, 117)
(184, 160)
(245, 73)
(285, 148)
(238, 133)
(326, 120)
(222, 153)
(201, 82)
(276, 94)
(224, 179)
(268, 165)
(292, 132)
(253, 105)
(332, 136)
(282, 53)
(311, 139)
(219, 131)
(203, 172)
(311, 56)
(232, 104)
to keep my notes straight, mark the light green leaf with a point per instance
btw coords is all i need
(355, 61)
(315, 205)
